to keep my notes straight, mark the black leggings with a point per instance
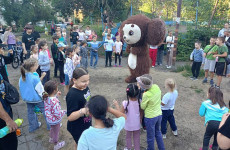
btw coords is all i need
(61, 70)
(196, 69)
(211, 130)
(108, 56)
(117, 56)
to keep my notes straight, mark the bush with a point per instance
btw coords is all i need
(39, 29)
(186, 41)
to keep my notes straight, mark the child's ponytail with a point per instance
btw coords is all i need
(23, 72)
(107, 121)
(98, 107)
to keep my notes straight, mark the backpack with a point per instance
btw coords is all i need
(12, 95)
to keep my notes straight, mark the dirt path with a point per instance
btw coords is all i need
(110, 83)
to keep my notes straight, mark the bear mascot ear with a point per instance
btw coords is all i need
(155, 32)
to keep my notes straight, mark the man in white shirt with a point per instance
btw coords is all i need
(221, 32)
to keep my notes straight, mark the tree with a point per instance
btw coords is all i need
(26, 11)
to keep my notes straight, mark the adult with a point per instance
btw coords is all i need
(227, 43)
(28, 40)
(223, 135)
(160, 53)
(221, 32)
(10, 141)
(104, 34)
(170, 44)
(9, 38)
(105, 19)
(2, 31)
(53, 27)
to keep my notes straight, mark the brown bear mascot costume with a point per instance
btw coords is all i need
(138, 31)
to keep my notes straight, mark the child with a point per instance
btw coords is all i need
(220, 60)
(82, 36)
(88, 32)
(68, 68)
(76, 58)
(118, 49)
(64, 33)
(109, 47)
(3, 61)
(151, 104)
(44, 61)
(104, 128)
(54, 50)
(94, 51)
(84, 54)
(76, 100)
(34, 52)
(197, 57)
(92, 35)
(167, 107)
(61, 60)
(53, 112)
(31, 90)
(131, 107)
(213, 109)
(210, 62)
(74, 36)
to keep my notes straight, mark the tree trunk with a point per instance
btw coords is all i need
(213, 12)
(176, 31)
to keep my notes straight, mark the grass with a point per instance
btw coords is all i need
(196, 89)
(186, 71)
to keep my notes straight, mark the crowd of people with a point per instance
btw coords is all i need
(143, 109)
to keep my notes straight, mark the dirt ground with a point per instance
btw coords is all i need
(109, 82)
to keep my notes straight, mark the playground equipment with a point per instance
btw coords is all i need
(4, 131)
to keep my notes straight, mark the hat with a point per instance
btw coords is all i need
(61, 44)
(145, 81)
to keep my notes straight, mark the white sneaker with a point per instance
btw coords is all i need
(59, 145)
(175, 133)
(153, 66)
(39, 124)
(164, 136)
(169, 67)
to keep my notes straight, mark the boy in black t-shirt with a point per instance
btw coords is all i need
(74, 36)
(28, 40)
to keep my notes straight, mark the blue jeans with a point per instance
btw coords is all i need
(84, 62)
(167, 115)
(153, 131)
(47, 77)
(32, 117)
(160, 54)
(92, 55)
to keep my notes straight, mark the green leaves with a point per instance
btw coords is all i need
(27, 11)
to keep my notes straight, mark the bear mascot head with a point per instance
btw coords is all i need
(139, 32)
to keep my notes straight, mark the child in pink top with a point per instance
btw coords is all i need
(53, 112)
(34, 52)
(131, 107)
(76, 58)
